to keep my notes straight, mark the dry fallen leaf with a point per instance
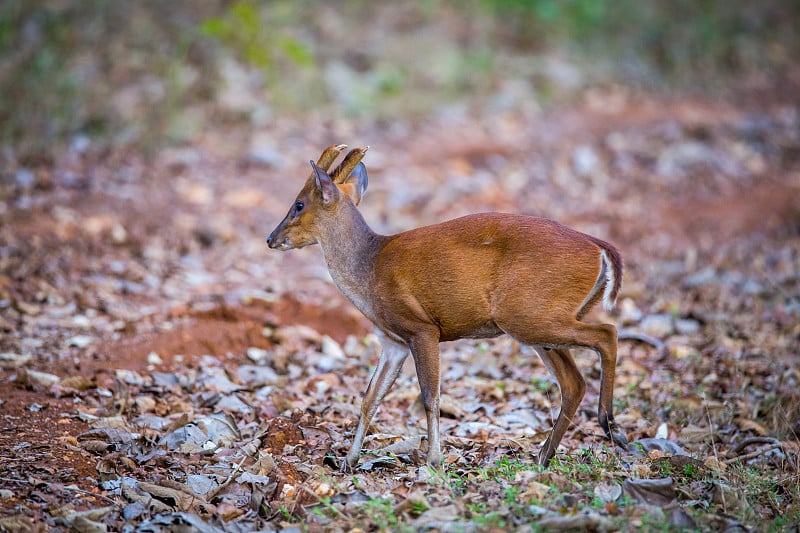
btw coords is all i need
(746, 424)
(659, 492)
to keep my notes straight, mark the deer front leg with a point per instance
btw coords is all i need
(393, 354)
(426, 358)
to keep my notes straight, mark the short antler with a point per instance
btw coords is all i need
(349, 163)
(329, 155)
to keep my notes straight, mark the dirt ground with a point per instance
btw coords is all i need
(127, 279)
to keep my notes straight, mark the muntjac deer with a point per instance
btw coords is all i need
(478, 276)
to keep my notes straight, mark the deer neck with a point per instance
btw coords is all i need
(349, 247)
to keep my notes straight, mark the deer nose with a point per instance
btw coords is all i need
(269, 241)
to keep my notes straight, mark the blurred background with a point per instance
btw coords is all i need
(148, 147)
(149, 72)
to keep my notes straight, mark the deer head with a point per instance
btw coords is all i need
(320, 198)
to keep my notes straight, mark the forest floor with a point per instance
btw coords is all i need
(161, 368)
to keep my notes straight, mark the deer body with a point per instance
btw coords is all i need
(478, 276)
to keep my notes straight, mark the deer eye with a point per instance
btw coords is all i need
(298, 206)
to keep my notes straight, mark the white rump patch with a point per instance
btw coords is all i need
(604, 277)
(608, 303)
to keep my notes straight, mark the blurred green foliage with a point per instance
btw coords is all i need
(151, 70)
(96, 67)
(258, 41)
(679, 37)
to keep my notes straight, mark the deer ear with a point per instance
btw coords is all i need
(356, 183)
(325, 185)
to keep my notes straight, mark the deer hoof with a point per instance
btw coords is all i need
(617, 435)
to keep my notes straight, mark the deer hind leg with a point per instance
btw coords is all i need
(602, 338)
(562, 366)
(393, 354)
(607, 349)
